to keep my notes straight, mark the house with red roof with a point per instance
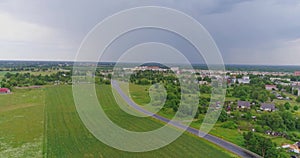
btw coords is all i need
(297, 73)
(4, 90)
(271, 87)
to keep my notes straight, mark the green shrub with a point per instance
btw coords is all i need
(229, 125)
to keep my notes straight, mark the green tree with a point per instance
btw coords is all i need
(223, 116)
(283, 95)
(272, 97)
(295, 92)
(207, 79)
(260, 145)
(273, 120)
(298, 99)
(297, 124)
(205, 89)
(288, 120)
(287, 106)
(279, 87)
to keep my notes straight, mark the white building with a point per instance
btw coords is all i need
(244, 80)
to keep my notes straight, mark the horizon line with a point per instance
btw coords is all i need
(235, 64)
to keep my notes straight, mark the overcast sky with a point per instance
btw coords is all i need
(246, 31)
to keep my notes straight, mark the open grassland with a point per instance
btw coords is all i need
(140, 94)
(22, 123)
(67, 136)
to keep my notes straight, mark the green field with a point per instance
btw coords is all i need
(67, 137)
(44, 123)
(22, 123)
(140, 94)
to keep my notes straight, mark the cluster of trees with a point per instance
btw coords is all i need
(283, 122)
(152, 77)
(256, 90)
(246, 92)
(169, 81)
(261, 145)
(223, 116)
(102, 80)
(298, 99)
(32, 68)
(279, 121)
(205, 89)
(26, 79)
(295, 78)
(174, 91)
(206, 78)
(287, 106)
(103, 76)
(259, 81)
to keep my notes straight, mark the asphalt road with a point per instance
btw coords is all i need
(220, 142)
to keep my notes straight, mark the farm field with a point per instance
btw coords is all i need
(44, 123)
(67, 136)
(22, 123)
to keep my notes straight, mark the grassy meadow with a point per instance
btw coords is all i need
(22, 123)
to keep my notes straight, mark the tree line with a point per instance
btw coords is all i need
(11, 80)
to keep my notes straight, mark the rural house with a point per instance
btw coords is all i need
(4, 90)
(271, 87)
(243, 105)
(292, 147)
(267, 107)
(244, 80)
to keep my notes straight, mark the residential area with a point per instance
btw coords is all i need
(265, 103)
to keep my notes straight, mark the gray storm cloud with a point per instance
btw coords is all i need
(247, 32)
